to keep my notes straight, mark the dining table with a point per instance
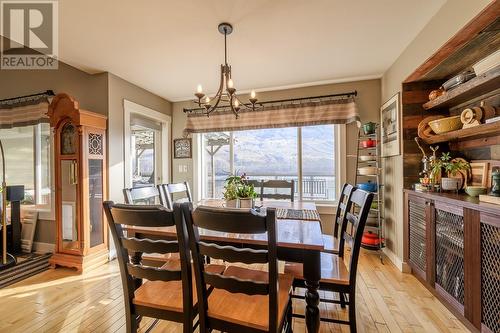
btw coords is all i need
(299, 239)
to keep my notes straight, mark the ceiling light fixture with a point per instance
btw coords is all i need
(226, 95)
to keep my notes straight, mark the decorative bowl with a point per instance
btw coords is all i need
(366, 158)
(369, 128)
(444, 125)
(368, 186)
(372, 143)
(475, 191)
(435, 94)
(369, 170)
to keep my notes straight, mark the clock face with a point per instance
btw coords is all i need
(182, 148)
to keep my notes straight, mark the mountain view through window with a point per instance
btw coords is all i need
(273, 154)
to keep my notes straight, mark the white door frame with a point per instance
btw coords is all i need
(165, 120)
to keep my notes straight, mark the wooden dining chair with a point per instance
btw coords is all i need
(276, 185)
(147, 195)
(243, 300)
(169, 292)
(336, 276)
(167, 192)
(331, 242)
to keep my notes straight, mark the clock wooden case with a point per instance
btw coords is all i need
(80, 180)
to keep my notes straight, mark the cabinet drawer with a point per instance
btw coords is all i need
(449, 254)
(490, 272)
(417, 234)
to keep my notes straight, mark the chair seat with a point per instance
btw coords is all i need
(333, 270)
(251, 311)
(331, 244)
(167, 295)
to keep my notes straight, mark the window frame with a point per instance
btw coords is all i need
(323, 205)
(46, 211)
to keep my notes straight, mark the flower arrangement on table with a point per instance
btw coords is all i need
(238, 193)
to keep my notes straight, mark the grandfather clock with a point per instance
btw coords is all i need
(80, 179)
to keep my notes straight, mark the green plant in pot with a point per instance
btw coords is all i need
(231, 186)
(452, 168)
(238, 192)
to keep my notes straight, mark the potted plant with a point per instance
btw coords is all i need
(246, 193)
(238, 193)
(452, 167)
(231, 191)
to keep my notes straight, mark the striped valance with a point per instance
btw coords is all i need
(340, 111)
(24, 115)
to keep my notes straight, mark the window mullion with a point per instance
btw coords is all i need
(231, 152)
(37, 151)
(299, 162)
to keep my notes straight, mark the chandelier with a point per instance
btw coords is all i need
(226, 95)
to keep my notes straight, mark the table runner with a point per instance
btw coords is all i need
(297, 214)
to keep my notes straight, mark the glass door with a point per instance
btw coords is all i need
(145, 152)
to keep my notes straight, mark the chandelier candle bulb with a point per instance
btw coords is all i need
(199, 90)
(252, 94)
(230, 83)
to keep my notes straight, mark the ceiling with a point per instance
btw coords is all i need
(168, 47)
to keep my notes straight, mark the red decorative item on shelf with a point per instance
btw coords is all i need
(371, 240)
(369, 143)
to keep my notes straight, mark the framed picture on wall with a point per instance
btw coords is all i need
(390, 127)
(182, 148)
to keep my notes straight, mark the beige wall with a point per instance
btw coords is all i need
(368, 101)
(103, 93)
(118, 90)
(90, 90)
(448, 20)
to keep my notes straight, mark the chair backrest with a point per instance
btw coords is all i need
(147, 195)
(133, 271)
(278, 184)
(355, 219)
(343, 206)
(233, 221)
(167, 192)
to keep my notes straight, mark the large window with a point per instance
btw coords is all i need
(27, 162)
(306, 154)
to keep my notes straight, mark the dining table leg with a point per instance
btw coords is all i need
(312, 275)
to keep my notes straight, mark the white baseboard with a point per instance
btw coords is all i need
(393, 258)
(40, 247)
(112, 254)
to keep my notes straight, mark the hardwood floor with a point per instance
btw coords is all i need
(62, 301)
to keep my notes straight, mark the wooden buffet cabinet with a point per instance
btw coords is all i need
(452, 241)
(80, 177)
(453, 246)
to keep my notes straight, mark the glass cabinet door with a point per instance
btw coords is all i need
(95, 202)
(69, 214)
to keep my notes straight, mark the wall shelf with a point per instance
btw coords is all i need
(479, 131)
(466, 91)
